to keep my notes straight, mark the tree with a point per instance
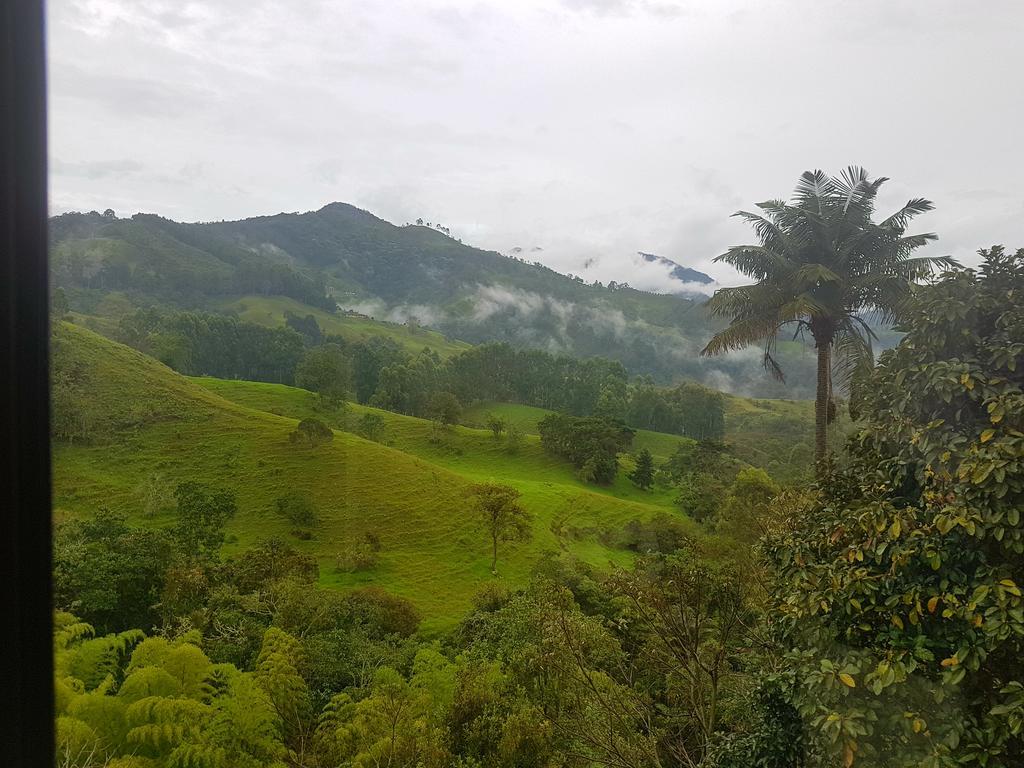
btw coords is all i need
(501, 515)
(109, 572)
(821, 264)
(514, 439)
(496, 424)
(643, 473)
(202, 514)
(325, 370)
(900, 586)
(444, 408)
(592, 444)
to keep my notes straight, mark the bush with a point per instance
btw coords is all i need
(661, 534)
(298, 509)
(380, 613)
(371, 426)
(311, 432)
(360, 555)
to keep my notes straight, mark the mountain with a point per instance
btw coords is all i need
(342, 256)
(678, 272)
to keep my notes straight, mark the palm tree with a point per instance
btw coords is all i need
(822, 265)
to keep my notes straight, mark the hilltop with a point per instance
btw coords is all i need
(409, 276)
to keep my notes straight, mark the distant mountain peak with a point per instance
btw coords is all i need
(678, 271)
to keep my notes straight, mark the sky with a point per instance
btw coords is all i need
(581, 131)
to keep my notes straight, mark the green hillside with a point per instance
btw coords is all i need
(269, 311)
(342, 256)
(776, 435)
(148, 420)
(526, 417)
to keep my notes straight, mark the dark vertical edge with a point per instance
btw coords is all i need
(26, 658)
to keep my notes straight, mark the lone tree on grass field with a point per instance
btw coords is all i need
(326, 371)
(502, 516)
(643, 473)
(821, 264)
(496, 424)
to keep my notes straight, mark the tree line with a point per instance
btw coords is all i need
(381, 373)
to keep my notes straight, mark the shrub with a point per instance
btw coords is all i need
(311, 432)
(371, 426)
(380, 613)
(298, 509)
(359, 555)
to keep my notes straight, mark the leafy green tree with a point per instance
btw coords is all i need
(369, 358)
(900, 586)
(514, 439)
(326, 371)
(444, 408)
(820, 265)
(643, 473)
(691, 618)
(496, 424)
(109, 572)
(306, 326)
(277, 673)
(592, 444)
(201, 515)
(501, 515)
(742, 513)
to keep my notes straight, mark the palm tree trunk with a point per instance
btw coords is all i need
(821, 400)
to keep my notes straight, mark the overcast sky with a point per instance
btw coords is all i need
(589, 128)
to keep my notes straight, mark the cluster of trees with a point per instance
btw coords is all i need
(379, 372)
(591, 443)
(200, 343)
(687, 409)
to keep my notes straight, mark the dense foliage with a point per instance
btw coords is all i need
(592, 444)
(900, 588)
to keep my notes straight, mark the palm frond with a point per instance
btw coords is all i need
(812, 188)
(755, 261)
(914, 207)
(740, 334)
(853, 350)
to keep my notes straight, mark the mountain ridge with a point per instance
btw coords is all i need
(344, 256)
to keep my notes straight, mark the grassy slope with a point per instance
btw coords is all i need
(660, 445)
(269, 311)
(776, 435)
(409, 493)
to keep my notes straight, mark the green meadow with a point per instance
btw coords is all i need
(408, 489)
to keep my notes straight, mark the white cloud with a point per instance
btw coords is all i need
(595, 128)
